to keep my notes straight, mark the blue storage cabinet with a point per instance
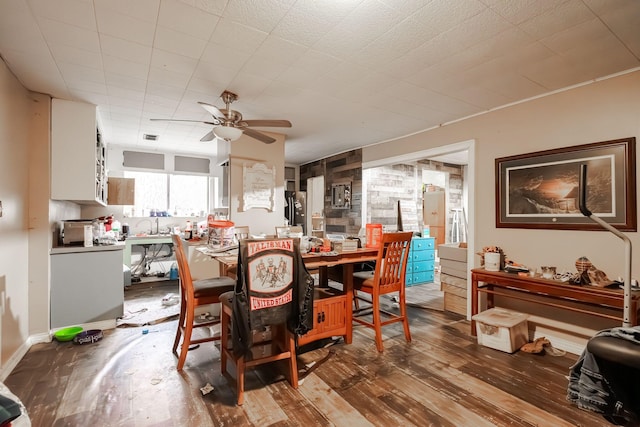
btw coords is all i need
(420, 265)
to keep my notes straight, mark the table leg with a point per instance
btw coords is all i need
(490, 296)
(474, 303)
(347, 282)
(323, 276)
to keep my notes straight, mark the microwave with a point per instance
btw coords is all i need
(72, 232)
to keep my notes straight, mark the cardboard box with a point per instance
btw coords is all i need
(502, 329)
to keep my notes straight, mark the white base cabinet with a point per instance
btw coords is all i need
(86, 287)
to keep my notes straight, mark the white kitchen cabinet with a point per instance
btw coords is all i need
(78, 163)
(87, 286)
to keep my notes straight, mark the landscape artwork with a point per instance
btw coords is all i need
(553, 189)
(542, 189)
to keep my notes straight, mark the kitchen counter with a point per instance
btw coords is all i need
(81, 249)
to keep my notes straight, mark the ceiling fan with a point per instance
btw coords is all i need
(229, 125)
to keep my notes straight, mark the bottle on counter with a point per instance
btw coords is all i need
(115, 227)
(188, 231)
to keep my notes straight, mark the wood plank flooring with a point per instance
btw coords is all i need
(442, 378)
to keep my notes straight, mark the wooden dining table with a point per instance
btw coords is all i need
(320, 261)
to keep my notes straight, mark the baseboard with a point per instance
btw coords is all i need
(573, 340)
(15, 358)
(40, 338)
(561, 343)
(102, 324)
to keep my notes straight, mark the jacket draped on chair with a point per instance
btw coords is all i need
(271, 274)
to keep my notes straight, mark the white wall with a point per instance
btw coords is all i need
(40, 215)
(16, 109)
(248, 151)
(605, 110)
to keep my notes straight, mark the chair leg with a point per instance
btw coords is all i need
(240, 380)
(186, 339)
(405, 318)
(377, 322)
(225, 322)
(293, 361)
(181, 321)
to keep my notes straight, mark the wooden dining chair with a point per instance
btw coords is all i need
(242, 232)
(286, 230)
(258, 316)
(282, 231)
(193, 294)
(388, 277)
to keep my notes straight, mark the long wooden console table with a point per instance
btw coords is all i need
(559, 294)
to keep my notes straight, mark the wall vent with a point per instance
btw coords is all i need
(148, 137)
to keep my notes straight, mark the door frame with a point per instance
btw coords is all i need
(469, 147)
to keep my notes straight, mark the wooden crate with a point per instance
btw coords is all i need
(453, 281)
(455, 303)
(450, 289)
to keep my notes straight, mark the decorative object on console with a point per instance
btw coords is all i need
(548, 272)
(492, 258)
(583, 264)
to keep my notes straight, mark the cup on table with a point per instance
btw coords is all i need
(548, 272)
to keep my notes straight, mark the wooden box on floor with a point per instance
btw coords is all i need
(455, 293)
(453, 277)
(453, 259)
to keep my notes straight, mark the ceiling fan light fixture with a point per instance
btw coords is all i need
(228, 133)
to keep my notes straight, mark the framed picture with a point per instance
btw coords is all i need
(341, 196)
(541, 189)
(258, 186)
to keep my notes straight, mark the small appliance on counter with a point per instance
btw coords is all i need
(72, 231)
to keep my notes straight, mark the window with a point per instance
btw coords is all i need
(177, 195)
(188, 195)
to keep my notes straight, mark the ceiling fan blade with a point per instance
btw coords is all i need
(191, 121)
(208, 137)
(267, 123)
(258, 135)
(214, 111)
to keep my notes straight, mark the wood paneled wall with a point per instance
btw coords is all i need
(339, 169)
(393, 183)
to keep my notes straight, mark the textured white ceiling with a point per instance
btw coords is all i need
(346, 73)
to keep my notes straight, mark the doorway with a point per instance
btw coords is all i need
(462, 154)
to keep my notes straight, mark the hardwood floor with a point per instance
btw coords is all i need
(442, 378)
